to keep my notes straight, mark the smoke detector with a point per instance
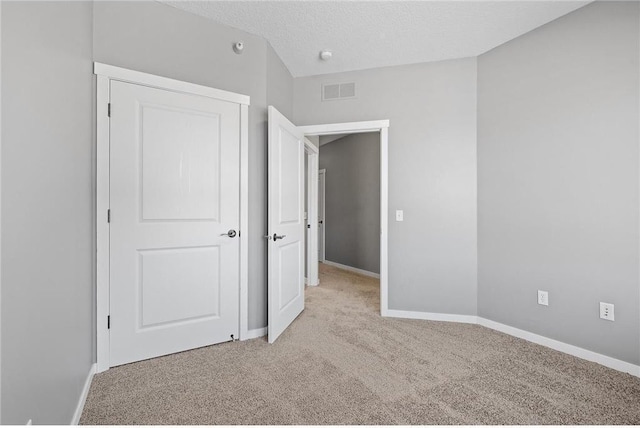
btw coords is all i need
(326, 55)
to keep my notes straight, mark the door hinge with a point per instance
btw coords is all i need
(109, 110)
(108, 216)
(108, 322)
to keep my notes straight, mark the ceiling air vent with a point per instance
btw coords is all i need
(338, 91)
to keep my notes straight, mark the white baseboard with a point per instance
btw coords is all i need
(430, 316)
(576, 351)
(83, 396)
(256, 332)
(352, 269)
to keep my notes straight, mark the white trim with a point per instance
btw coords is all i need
(139, 78)
(323, 174)
(256, 333)
(384, 222)
(345, 128)
(0, 205)
(102, 227)
(369, 126)
(312, 153)
(352, 269)
(309, 147)
(576, 351)
(106, 73)
(244, 221)
(83, 396)
(432, 316)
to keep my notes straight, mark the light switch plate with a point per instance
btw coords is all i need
(399, 215)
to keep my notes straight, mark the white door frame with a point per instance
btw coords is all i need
(323, 173)
(312, 212)
(0, 203)
(105, 74)
(381, 126)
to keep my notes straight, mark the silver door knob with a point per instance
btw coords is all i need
(231, 233)
(276, 237)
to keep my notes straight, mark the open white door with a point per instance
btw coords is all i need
(286, 223)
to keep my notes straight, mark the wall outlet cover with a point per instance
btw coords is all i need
(543, 298)
(607, 311)
(399, 215)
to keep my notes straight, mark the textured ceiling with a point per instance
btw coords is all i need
(379, 33)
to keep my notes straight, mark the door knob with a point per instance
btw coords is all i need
(276, 237)
(231, 233)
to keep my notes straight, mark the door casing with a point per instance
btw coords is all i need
(312, 154)
(105, 74)
(381, 126)
(322, 190)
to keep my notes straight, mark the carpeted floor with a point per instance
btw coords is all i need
(341, 363)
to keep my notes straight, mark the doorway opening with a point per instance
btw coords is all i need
(349, 230)
(360, 233)
(287, 225)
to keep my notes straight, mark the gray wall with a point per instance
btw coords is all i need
(558, 179)
(432, 173)
(47, 218)
(48, 177)
(352, 200)
(279, 85)
(159, 39)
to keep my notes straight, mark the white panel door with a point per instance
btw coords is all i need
(286, 223)
(175, 195)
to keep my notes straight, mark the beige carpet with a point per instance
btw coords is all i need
(341, 363)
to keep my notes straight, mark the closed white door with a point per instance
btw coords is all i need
(174, 199)
(321, 211)
(286, 224)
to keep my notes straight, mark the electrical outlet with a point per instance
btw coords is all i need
(399, 215)
(543, 298)
(606, 311)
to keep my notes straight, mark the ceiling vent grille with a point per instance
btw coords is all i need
(338, 91)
